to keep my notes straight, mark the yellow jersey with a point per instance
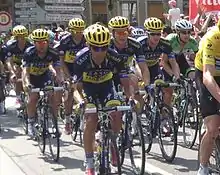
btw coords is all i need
(209, 51)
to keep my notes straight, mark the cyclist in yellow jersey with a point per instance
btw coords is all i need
(207, 63)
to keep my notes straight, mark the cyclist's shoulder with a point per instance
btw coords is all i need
(172, 37)
(164, 42)
(142, 39)
(53, 52)
(65, 39)
(12, 43)
(133, 42)
(30, 52)
(82, 56)
(193, 41)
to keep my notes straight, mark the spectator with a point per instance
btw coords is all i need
(173, 13)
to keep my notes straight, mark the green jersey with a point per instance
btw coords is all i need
(190, 47)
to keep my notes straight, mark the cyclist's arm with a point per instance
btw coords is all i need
(26, 76)
(10, 65)
(145, 72)
(143, 67)
(64, 67)
(209, 69)
(170, 66)
(58, 70)
(209, 81)
(61, 49)
(78, 92)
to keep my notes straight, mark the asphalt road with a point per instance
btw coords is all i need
(21, 156)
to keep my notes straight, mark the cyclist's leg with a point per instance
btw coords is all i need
(211, 121)
(90, 126)
(36, 82)
(68, 104)
(110, 98)
(18, 85)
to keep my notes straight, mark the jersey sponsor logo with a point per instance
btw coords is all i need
(81, 60)
(97, 76)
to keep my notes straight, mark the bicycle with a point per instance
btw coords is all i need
(22, 112)
(108, 139)
(131, 136)
(186, 109)
(159, 120)
(47, 124)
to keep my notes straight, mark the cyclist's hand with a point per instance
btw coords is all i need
(28, 87)
(13, 78)
(149, 89)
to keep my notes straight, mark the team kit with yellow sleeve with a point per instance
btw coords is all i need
(68, 49)
(40, 75)
(14, 52)
(208, 54)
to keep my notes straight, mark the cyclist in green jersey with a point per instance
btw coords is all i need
(184, 45)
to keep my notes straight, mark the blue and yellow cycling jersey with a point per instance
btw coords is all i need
(14, 52)
(131, 52)
(86, 71)
(68, 48)
(37, 65)
(152, 55)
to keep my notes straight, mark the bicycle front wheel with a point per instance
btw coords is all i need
(167, 133)
(53, 137)
(137, 147)
(113, 159)
(191, 123)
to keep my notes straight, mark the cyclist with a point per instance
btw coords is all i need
(207, 76)
(154, 46)
(15, 51)
(69, 45)
(93, 70)
(129, 49)
(184, 46)
(36, 62)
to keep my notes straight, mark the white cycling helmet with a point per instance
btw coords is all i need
(137, 32)
(183, 25)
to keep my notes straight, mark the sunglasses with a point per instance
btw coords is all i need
(122, 33)
(99, 49)
(155, 34)
(41, 42)
(185, 32)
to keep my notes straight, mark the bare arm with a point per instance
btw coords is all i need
(145, 72)
(209, 81)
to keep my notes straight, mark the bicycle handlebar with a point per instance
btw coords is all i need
(107, 109)
(47, 89)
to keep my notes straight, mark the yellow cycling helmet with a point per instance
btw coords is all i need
(153, 25)
(76, 23)
(40, 35)
(119, 22)
(97, 35)
(19, 30)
